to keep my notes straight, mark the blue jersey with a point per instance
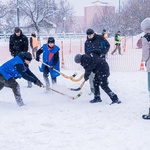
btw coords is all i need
(8, 69)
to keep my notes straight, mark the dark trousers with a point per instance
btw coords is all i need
(11, 83)
(102, 81)
(46, 75)
(117, 47)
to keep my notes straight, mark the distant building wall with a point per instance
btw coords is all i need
(90, 12)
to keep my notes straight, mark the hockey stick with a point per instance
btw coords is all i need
(75, 97)
(147, 117)
(80, 87)
(68, 77)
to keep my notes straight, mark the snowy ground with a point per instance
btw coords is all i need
(50, 121)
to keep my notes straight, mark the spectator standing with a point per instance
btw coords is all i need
(18, 42)
(105, 35)
(95, 42)
(145, 25)
(117, 43)
(34, 44)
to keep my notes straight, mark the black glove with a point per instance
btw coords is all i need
(86, 78)
(37, 58)
(12, 53)
(38, 83)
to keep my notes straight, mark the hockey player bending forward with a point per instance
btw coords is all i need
(92, 62)
(15, 68)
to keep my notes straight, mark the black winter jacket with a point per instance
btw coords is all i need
(18, 44)
(91, 62)
(98, 42)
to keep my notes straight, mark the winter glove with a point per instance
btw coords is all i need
(12, 53)
(38, 83)
(86, 78)
(37, 58)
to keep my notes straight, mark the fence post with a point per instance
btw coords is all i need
(70, 47)
(62, 58)
(81, 45)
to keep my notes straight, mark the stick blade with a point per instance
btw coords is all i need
(77, 96)
(146, 117)
(74, 75)
(75, 89)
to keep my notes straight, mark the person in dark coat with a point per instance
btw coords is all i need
(18, 42)
(95, 42)
(104, 33)
(15, 68)
(51, 58)
(92, 62)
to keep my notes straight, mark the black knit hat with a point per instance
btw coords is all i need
(28, 56)
(77, 58)
(104, 30)
(51, 40)
(17, 29)
(89, 31)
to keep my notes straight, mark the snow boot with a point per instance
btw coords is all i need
(20, 103)
(96, 100)
(115, 99)
(19, 100)
(47, 82)
(54, 81)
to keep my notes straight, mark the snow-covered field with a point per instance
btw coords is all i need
(50, 121)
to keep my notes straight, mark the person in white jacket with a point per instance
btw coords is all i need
(145, 26)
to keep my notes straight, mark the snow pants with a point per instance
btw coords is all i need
(11, 83)
(102, 81)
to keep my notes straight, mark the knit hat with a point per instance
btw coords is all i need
(104, 30)
(89, 31)
(77, 58)
(28, 56)
(51, 40)
(145, 24)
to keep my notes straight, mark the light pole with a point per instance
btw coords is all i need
(64, 20)
(18, 13)
(119, 14)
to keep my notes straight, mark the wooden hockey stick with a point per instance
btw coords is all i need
(80, 87)
(67, 77)
(73, 98)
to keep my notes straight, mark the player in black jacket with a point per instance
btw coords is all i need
(95, 42)
(92, 62)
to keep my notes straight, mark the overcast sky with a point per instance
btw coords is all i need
(79, 5)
